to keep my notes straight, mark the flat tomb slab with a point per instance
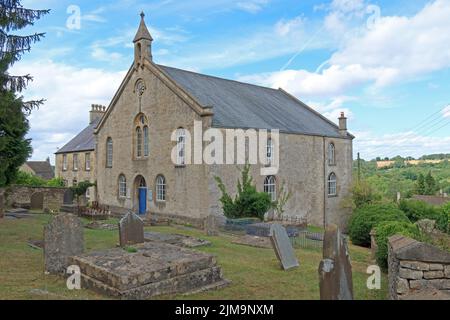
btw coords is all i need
(175, 239)
(154, 269)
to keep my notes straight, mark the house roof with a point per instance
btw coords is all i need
(42, 169)
(84, 141)
(433, 200)
(242, 105)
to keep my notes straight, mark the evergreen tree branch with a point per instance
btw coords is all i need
(14, 17)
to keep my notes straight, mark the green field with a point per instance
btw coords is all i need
(255, 273)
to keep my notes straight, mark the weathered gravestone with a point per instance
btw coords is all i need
(37, 201)
(283, 247)
(210, 226)
(335, 270)
(131, 230)
(63, 238)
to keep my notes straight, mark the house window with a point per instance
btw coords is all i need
(75, 162)
(146, 142)
(122, 186)
(87, 161)
(109, 153)
(332, 185)
(138, 142)
(270, 187)
(331, 154)
(181, 147)
(65, 162)
(269, 151)
(160, 188)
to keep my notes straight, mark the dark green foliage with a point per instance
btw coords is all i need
(81, 188)
(364, 219)
(386, 229)
(420, 184)
(430, 185)
(417, 210)
(248, 201)
(30, 180)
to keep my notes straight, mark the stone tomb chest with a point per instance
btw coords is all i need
(154, 269)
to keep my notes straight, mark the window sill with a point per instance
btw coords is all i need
(333, 196)
(180, 166)
(332, 164)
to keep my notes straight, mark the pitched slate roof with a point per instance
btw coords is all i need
(84, 141)
(242, 105)
(42, 169)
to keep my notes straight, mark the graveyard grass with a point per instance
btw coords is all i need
(255, 273)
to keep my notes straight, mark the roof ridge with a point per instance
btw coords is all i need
(219, 78)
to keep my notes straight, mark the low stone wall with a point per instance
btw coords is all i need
(22, 196)
(417, 269)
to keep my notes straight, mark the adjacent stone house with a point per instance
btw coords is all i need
(146, 155)
(42, 169)
(76, 161)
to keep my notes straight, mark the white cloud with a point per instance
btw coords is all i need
(446, 112)
(69, 92)
(252, 6)
(372, 145)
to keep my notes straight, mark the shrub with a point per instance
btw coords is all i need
(248, 201)
(364, 219)
(55, 182)
(417, 210)
(386, 229)
(29, 180)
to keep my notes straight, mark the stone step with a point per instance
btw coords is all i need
(152, 263)
(206, 279)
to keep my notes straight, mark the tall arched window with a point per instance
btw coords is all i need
(331, 154)
(269, 151)
(181, 147)
(270, 187)
(122, 186)
(138, 142)
(109, 153)
(332, 185)
(160, 188)
(141, 136)
(146, 142)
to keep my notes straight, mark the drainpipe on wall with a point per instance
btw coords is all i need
(324, 186)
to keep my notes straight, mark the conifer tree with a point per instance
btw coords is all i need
(14, 147)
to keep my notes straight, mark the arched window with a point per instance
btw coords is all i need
(331, 154)
(332, 185)
(269, 151)
(270, 187)
(181, 147)
(122, 186)
(141, 136)
(138, 142)
(160, 188)
(146, 142)
(109, 153)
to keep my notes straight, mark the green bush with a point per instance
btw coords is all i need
(248, 201)
(386, 229)
(367, 217)
(29, 180)
(417, 210)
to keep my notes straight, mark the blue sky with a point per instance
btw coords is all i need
(385, 63)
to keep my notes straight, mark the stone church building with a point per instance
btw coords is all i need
(158, 109)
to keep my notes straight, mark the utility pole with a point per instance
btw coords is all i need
(359, 168)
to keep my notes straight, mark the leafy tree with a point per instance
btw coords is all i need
(420, 184)
(80, 189)
(14, 147)
(430, 185)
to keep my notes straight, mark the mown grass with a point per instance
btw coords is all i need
(255, 273)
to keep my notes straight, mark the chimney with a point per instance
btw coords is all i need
(96, 112)
(343, 125)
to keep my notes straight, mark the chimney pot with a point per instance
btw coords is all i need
(343, 125)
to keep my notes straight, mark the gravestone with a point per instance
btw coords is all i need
(68, 197)
(131, 230)
(210, 226)
(335, 270)
(63, 238)
(283, 247)
(37, 201)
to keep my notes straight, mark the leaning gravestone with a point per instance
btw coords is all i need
(63, 238)
(131, 230)
(210, 226)
(283, 247)
(335, 270)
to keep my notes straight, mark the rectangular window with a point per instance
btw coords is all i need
(332, 188)
(64, 162)
(75, 162)
(88, 161)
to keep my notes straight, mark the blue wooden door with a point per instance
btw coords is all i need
(142, 200)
